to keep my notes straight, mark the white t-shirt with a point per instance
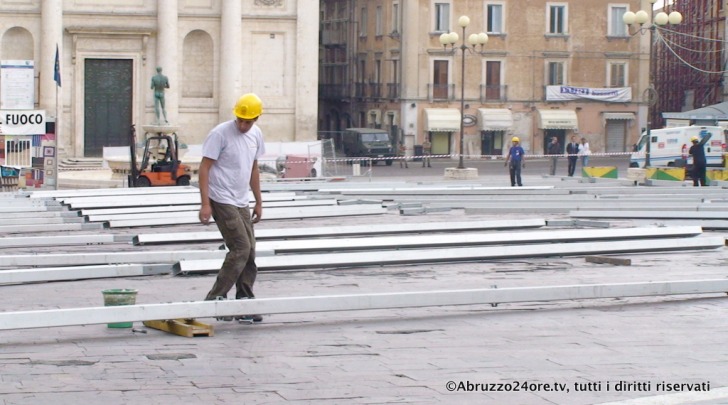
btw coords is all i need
(234, 153)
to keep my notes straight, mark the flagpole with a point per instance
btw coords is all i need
(58, 143)
(57, 79)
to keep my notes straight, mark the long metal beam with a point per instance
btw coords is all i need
(40, 221)
(137, 201)
(270, 214)
(91, 258)
(162, 212)
(196, 207)
(65, 240)
(353, 302)
(82, 272)
(650, 214)
(82, 192)
(49, 228)
(352, 259)
(351, 230)
(470, 239)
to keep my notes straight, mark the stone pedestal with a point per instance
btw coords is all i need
(163, 129)
(468, 173)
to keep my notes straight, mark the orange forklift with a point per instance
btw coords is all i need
(160, 162)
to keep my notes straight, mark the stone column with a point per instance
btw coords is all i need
(167, 45)
(410, 68)
(306, 72)
(51, 35)
(231, 57)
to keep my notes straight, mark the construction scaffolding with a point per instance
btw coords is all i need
(688, 59)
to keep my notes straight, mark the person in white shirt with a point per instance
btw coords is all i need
(584, 152)
(229, 167)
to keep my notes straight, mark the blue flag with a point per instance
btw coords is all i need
(57, 69)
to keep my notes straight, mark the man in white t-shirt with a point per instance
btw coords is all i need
(229, 167)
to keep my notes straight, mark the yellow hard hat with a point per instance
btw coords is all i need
(515, 139)
(693, 138)
(248, 107)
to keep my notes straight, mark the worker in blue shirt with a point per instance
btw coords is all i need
(514, 161)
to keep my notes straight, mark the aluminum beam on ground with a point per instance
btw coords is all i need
(161, 200)
(27, 208)
(65, 240)
(90, 258)
(46, 214)
(49, 228)
(39, 221)
(354, 302)
(269, 214)
(375, 258)
(470, 239)
(650, 214)
(535, 206)
(338, 231)
(162, 212)
(84, 192)
(81, 273)
(707, 225)
(445, 190)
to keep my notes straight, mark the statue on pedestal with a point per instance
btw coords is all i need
(159, 83)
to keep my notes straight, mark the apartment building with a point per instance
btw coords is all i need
(549, 69)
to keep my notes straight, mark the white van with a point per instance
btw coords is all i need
(670, 146)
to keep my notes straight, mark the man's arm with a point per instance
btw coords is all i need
(204, 183)
(255, 187)
(705, 139)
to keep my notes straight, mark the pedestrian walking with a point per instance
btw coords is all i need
(572, 152)
(402, 152)
(426, 152)
(229, 167)
(515, 161)
(554, 150)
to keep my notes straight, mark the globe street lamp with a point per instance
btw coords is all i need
(660, 19)
(474, 39)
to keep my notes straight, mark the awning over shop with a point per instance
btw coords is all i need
(494, 119)
(558, 119)
(619, 116)
(442, 119)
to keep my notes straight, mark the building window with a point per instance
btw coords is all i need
(555, 74)
(440, 80)
(494, 18)
(617, 27)
(363, 22)
(617, 72)
(557, 18)
(395, 18)
(492, 80)
(442, 17)
(378, 22)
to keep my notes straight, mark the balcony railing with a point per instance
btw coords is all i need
(489, 92)
(441, 92)
(360, 90)
(393, 91)
(334, 91)
(375, 90)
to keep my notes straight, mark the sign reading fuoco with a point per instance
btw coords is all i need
(22, 122)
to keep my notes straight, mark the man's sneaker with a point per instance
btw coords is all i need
(249, 318)
(223, 318)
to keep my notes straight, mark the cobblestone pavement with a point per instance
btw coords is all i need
(566, 352)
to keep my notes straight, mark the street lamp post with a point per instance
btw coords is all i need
(640, 18)
(474, 39)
